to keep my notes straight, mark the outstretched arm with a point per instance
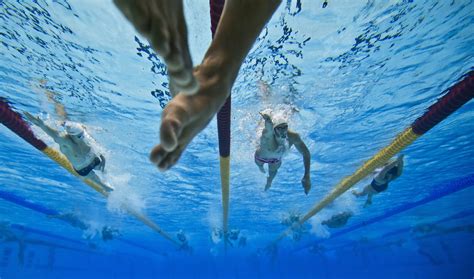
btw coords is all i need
(268, 129)
(303, 149)
(40, 123)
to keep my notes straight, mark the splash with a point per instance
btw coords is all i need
(123, 195)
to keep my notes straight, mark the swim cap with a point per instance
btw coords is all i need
(74, 129)
(279, 121)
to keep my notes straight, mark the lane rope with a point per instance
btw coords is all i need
(456, 97)
(13, 121)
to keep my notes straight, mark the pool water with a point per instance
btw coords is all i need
(349, 78)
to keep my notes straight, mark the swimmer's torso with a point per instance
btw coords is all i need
(80, 154)
(271, 149)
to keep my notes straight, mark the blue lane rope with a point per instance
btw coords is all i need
(459, 215)
(439, 191)
(23, 202)
(45, 233)
(456, 216)
(51, 212)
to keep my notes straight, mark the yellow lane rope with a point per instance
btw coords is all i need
(225, 182)
(61, 160)
(403, 140)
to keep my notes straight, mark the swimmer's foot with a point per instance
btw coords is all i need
(267, 186)
(187, 115)
(162, 23)
(355, 193)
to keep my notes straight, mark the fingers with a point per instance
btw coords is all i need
(136, 12)
(169, 133)
(140, 17)
(163, 159)
(157, 154)
(159, 37)
(169, 151)
(180, 67)
(174, 119)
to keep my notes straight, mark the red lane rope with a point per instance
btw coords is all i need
(223, 116)
(216, 11)
(13, 121)
(456, 97)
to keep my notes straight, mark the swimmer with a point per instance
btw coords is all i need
(162, 23)
(183, 240)
(233, 234)
(389, 172)
(338, 220)
(293, 221)
(72, 220)
(74, 144)
(231, 237)
(109, 233)
(275, 141)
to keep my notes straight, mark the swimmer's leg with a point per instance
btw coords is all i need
(364, 192)
(369, 199)
(101, 166)
(92, 176)
(260, 166)
(187, 115)
(272, 171)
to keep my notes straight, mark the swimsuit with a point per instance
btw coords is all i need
(87, 169)
(267, 160)
(382, 187)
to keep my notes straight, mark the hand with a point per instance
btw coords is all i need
(306, 182)
(33, 119)
(265, 116)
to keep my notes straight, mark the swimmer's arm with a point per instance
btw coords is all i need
(268, 129)
(51, 132)
(302, 148)
(40, 123)
(386, 169)
(400, 163)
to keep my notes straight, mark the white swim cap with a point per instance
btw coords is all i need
(74, 129)
(279, 120)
